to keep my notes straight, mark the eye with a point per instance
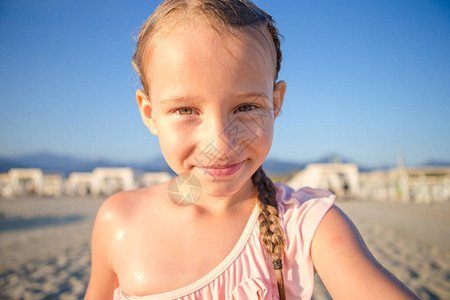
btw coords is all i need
(246, 107)
(185, 111)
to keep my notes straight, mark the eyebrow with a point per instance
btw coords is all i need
(201, 100)
(182, 99)
(251, 95)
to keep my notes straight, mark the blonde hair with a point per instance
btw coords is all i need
(226, 16)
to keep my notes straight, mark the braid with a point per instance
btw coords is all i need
(269, 224)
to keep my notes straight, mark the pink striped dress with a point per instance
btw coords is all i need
(246, 272)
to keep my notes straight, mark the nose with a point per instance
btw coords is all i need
(221, 139)
(219, 126)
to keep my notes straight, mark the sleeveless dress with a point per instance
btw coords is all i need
(247, 272)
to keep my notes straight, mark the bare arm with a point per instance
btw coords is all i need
(346, 266)
(103, 280)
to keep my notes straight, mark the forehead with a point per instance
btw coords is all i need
(199, 54)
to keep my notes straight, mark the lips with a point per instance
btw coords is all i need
(222, 171)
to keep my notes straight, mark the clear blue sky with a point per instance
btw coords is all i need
(364, 78)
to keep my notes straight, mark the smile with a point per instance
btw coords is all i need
(222, 171)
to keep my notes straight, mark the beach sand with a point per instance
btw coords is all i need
(44, 245)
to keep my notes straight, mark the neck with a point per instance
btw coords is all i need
(219, 204)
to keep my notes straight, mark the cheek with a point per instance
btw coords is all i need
(259, 126)
(172, 131)
(265, 137)
(175, 142)
(255, 134)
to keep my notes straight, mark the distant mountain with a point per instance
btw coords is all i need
(64, 164)
(6, 164)
(52, 163)
(275, 166)
(156, 164)
(437, 163)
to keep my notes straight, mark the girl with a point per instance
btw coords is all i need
(222, 229)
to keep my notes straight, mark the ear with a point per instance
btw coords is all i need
(278, 96)
(145, 108)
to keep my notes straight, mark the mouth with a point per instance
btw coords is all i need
(222, 170)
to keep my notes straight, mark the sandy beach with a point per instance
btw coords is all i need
(44, 245)
(410, 240)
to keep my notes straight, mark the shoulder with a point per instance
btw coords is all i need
(302, 211)
(118, 206)
(121, 215)
(118, 216)
(338, 239)
(286, 194)
(124, 208)
(335, 230)
(303, 201)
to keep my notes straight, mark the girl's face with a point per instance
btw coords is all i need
(212, 104)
